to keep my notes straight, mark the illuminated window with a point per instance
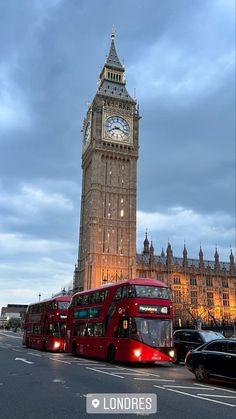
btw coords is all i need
(193, 297)
(210, 299)
(176, 280)
(177, 296)
(122, 213)
(225, 300)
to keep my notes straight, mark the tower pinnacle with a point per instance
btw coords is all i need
(112, 59)
(113, 32)
(112, 76)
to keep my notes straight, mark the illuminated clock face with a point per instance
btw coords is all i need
(87, 133)
(117, 128)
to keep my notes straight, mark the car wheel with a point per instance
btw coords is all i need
(200, 372)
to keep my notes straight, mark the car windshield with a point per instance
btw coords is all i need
(152, 332)
(210, 335)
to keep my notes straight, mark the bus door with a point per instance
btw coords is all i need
(122, 335)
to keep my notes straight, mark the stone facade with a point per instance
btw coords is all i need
(107, 242)
(202, 290)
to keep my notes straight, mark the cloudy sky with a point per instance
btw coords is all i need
(179, 60)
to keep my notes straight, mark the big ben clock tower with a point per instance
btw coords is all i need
(107, 240)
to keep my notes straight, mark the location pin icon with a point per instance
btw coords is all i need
(95, 403)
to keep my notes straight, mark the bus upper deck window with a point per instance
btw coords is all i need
(131, 293)
(124, 292)
(118, 294)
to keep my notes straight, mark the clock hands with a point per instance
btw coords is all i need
(117, 127)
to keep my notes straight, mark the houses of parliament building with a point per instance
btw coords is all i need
(107, 237)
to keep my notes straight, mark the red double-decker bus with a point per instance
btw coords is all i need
(45, 323)
(131, 320)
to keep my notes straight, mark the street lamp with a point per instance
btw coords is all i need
(39, 296)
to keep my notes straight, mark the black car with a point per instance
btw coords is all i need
(213, 359)
(187, 339)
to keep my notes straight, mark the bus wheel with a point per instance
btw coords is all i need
(111, 354)
(44, 345)
(74, 349)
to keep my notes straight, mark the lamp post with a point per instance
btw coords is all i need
(39, 296)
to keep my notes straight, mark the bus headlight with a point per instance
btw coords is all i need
(172, 353)
(137, 352)
(56, 345)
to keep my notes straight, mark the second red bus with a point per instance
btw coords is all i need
(45, 324)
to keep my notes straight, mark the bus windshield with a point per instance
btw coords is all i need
(57, 329)
(63, 305)
(146, 291)
(152, 332)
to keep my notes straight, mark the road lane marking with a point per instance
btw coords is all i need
(60, 360)
(216, 388)
(131, 373)
(58, 380)
(104, 372)
(24, 360)
(152, 379)
(189, 387)
(195, 396)
(16, 350)
(217, 395)
(32, 353)
(84, 361)
(111, 368)
(10, 336)
(86, 365)
(143, 372)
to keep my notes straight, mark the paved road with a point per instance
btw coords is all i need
(42, 385)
